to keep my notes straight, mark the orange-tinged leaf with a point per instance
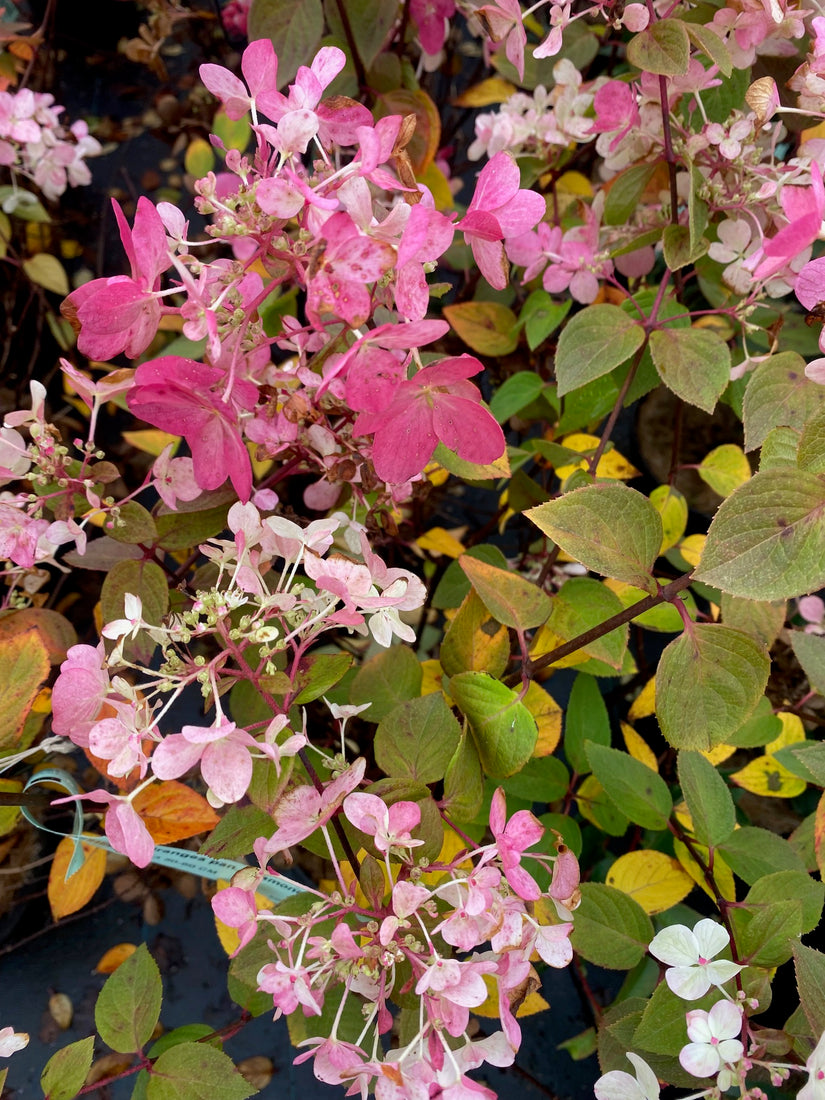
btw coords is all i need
(639, 748)
(112, 959)
(172, 811)
(67, 897)
(487, 327)
(426, 140)
(56, 632)
(439, 541)
(548, 715)
(722, 874)
(24, 665)
(655, 880)
(645, 702)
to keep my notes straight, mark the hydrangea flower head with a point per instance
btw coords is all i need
(689, 957)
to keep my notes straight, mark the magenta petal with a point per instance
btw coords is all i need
(227, 768)
(127, 834)
(497, 183)
(259, 65)
(489, 255)
(405, 443)
(810, 283)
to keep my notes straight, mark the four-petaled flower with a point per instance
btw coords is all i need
(512, 838)
(713, 1039)
(688, 956)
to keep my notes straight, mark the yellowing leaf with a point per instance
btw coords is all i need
(718, 754)
(792, 732)
(439, 541)
(532, 1003)
(438, 185)
(5, 234)
(722, 874)
(610, 465)
(150, 441)
(199, 158)
(672, 507)
(571, 187)
(655, 880)
(431, 674)
(489, 328)
(47, 271)
(436, 474)
(547, 714)
(172, 811)
(495, 89)
(639, 748)
(67, 897)
(116, 955)
(691, 549)
(725, 469)
(645, 702)
(766, 776)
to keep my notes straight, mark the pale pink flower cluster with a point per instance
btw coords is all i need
(480, 904)
(34, 144)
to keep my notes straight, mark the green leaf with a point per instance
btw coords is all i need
(779, 395)
(24, 668)
(708, 798)
(751, 853)
(509, 598)
(417, 739)
(592, 343)
(66, 1071)
(455, 584)
(809, 650)
(809, 965)
(317, 673)
(608, 527)
(662, 48)
(464, 782)
(610, 929)
(196, 1071)
(805, 759)
(236, 832)
(128, 1006)
(389, 678)
(626, 192)
(762, 726)
(294, 30)
(708, 681)
(234, 133)
(145, 579)
(586, 719)
(474, 641)
(811, 451)
(767, 540)
(470, 471)
(489, 328)
(711, 46)
(762, 619)
(596, 807)
(187, 526)
(370, 23)
(679, 251)
(635, 789)
(503, 729)
(25, 205)
(779, 449)
(540, 316)
(47, 271)
(513, 394)
(791, 885)
(542, 779)
(134, 525)
(580, 604)
(692, 362)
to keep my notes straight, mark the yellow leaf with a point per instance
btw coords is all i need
(813, 132)
(532, 1003)
(116, 955)
(5, 234)
(495, 89)
(151, 441)
(199, 158)
(766, 776)
(672, 507)
(260, 466)
(725, 469)
(639, 748)
(655, 880)
(438, 185)
(67, 897)
(431, 674)
(571, 187)
(718, 754)
(792, 732)
(611, 465)
(547, 714)
(451, 846)
(722, 874)
(47, 271)
(691, 549)
(439, 541)
(645, 702)
(436, 474)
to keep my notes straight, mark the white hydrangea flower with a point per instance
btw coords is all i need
(618, 1085)
(814, 1089)
(714, 1041)
(11, 1041)
(688, 956)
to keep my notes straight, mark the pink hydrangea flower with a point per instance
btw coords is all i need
(437, 404)
(221, 749)
(187, 398)
(389, 826)
(804, 208)
(513, 838)
(79, 692)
